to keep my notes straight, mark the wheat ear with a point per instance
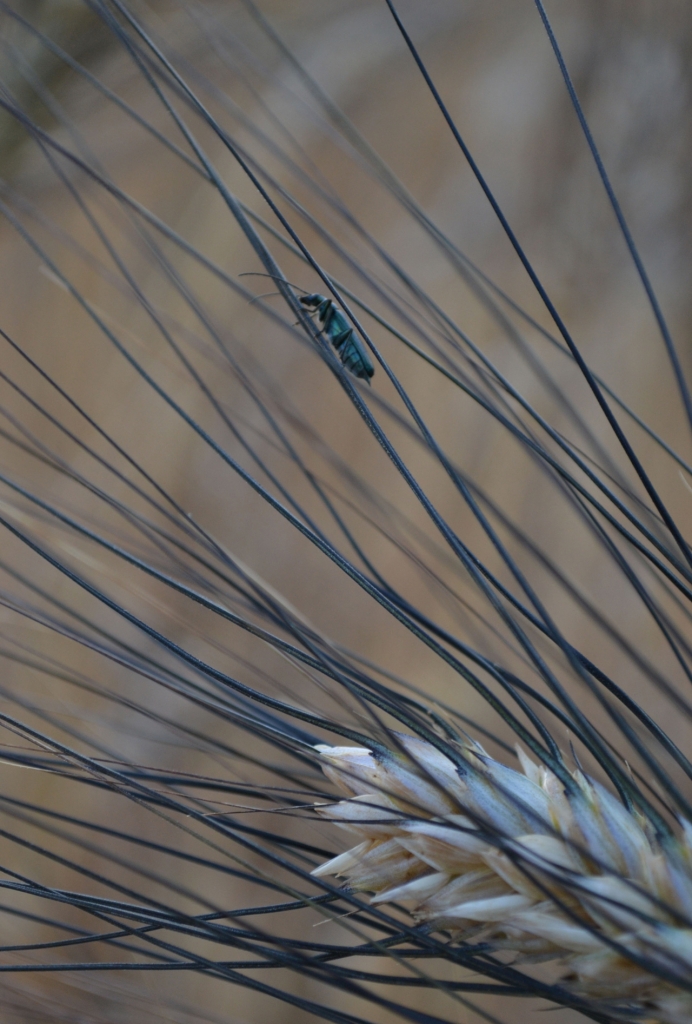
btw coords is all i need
(520, 861)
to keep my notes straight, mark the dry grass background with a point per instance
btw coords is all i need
(492, 62)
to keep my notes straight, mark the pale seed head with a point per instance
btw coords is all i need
(514, 859)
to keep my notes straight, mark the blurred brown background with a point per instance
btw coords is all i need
(630, 62)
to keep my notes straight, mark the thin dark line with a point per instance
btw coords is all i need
(535, 280)
(620, 216)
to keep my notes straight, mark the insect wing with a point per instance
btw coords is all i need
(355, 358)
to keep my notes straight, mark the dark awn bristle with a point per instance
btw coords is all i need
(221, 551)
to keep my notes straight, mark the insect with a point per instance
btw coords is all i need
(335, 325)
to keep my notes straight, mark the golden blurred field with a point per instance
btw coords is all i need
(493, 64)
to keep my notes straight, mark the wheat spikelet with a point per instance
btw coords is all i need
(518, 861)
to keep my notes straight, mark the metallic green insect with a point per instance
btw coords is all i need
(344, 339)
